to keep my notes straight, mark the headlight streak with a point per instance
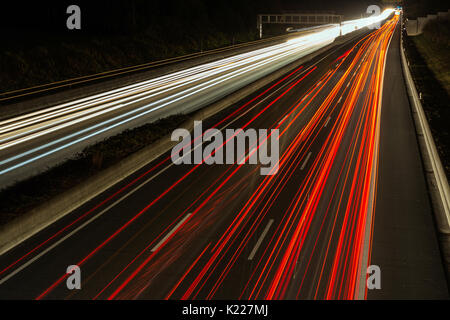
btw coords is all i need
(143, 110)
(195, 73)
(140, 97)
(352, 25)
(145, 84)
(273, 56)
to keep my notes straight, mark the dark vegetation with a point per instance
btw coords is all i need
(429, 59)
(39, 49)
(420, 8)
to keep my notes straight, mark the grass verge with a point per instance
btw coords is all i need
(429, 64)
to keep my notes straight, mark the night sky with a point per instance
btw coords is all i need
(125, 15)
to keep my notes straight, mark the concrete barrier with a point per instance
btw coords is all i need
(415, 27)
(434, 171)
(41, 217)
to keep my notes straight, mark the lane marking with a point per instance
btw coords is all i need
(170, 233)
(283, 119)
(326, 123)
(306, 161)
(305, 97)
(340, 99)
(261, 238)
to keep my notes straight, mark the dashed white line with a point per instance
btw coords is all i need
(283, 119)
(261, 238)
(170, 233)
(305, 97)
(306, 161)
(326, 123)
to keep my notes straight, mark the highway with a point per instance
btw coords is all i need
(226, 231)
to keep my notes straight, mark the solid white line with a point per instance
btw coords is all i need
(305, 97)
(306, 161)
(326, 123)
(261, 238)
(170, 233)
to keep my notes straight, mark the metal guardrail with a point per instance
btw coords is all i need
(435, 174)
